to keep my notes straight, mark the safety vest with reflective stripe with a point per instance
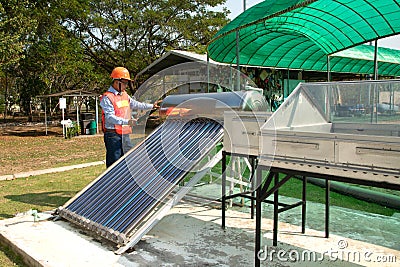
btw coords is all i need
(121, 109)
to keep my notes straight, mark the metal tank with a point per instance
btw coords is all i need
(211, 105)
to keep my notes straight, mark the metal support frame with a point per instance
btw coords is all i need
(263, 192)
(258, 194)
(262, 188)
(248, 194)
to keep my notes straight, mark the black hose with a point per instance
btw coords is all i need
(384, 199)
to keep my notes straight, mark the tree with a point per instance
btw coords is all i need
(15, 26)
(135, 33)
(55, 61)
(54, 46)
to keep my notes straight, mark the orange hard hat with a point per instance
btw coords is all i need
(120, 73)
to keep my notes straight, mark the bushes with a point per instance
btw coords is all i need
(72, 129)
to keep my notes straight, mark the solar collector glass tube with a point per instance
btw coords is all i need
(153, 156)
(110, 178)
(179, 174)
(147, 185)
(106, 181)
(139, 169)
(175, 173)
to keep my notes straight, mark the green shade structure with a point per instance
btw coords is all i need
(360, 59)
(299, 34)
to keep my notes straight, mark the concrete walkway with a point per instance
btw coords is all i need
(51, 170)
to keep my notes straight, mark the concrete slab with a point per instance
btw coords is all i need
(348, 223)
(190, 235)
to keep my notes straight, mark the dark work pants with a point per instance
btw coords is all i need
(116, 146)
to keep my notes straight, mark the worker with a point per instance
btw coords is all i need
(117, 119)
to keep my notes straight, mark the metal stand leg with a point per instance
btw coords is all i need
(223, 188)
(304, 210)
(253, 185)
(327, 204)
(276, 207)
(258, 221)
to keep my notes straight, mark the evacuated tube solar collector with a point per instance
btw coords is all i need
(120, 201)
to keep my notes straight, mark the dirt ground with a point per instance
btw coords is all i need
(26, 147)
(33, 129)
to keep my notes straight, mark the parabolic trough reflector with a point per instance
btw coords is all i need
(125, 201)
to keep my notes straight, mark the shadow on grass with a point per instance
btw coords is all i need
(44, 199)
(31, 133)
(15, 259)
(5, 216)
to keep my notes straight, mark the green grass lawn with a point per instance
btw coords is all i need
(9, 258)
(43, 193)
(317, 194)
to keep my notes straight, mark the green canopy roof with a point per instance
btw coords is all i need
(299, 34)
(360, 59)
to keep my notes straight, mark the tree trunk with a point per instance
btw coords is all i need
(5, 99)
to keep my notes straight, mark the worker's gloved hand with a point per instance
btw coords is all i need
(157, 104)
(132, 122)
